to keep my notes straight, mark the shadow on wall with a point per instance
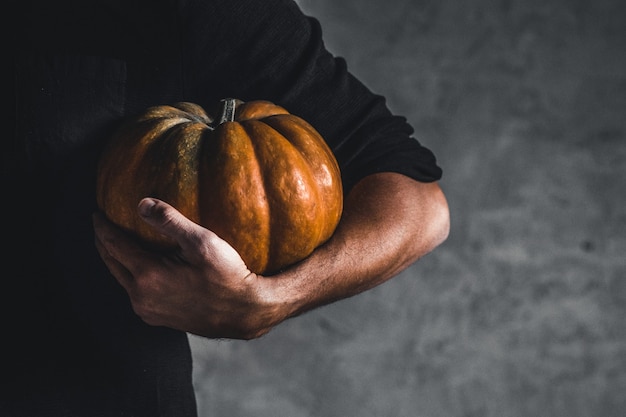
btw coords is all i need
(521, 312)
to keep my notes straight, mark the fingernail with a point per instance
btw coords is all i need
(145, 207)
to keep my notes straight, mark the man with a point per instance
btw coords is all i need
(79, 343)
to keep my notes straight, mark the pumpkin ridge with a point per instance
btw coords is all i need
(186, 141)
(285, 217)
(231, 170)
(324, 167)
(280, 123)
(170, 179)
(269, 239)
(194, 112)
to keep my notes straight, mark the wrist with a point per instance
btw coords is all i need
(279, 298)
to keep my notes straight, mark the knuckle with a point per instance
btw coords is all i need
(163, 215)
(205, 243)
(166, 218)
(201, 238)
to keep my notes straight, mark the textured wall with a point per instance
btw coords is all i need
(522, 312)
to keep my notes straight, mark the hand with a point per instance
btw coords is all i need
(203, 288)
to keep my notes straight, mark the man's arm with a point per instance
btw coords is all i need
(389, 221)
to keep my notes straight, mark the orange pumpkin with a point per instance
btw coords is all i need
(264, 180)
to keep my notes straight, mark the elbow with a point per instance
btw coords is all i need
(436, 224)
(430, 222)
(441, 218)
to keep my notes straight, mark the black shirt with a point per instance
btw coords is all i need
(74, 345)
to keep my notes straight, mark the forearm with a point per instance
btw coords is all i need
(389, 222)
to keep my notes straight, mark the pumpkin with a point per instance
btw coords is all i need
(259, 177)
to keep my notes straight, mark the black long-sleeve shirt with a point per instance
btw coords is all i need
(75, 347)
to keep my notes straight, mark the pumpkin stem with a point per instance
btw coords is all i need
(228, 110)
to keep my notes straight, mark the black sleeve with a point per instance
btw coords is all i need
(268, 49)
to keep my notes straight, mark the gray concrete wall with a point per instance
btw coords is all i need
(522, 312)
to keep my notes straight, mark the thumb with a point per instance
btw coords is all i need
(168, 221)
(196, 242)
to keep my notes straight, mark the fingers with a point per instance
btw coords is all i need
(133, 267)
(109, 252)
